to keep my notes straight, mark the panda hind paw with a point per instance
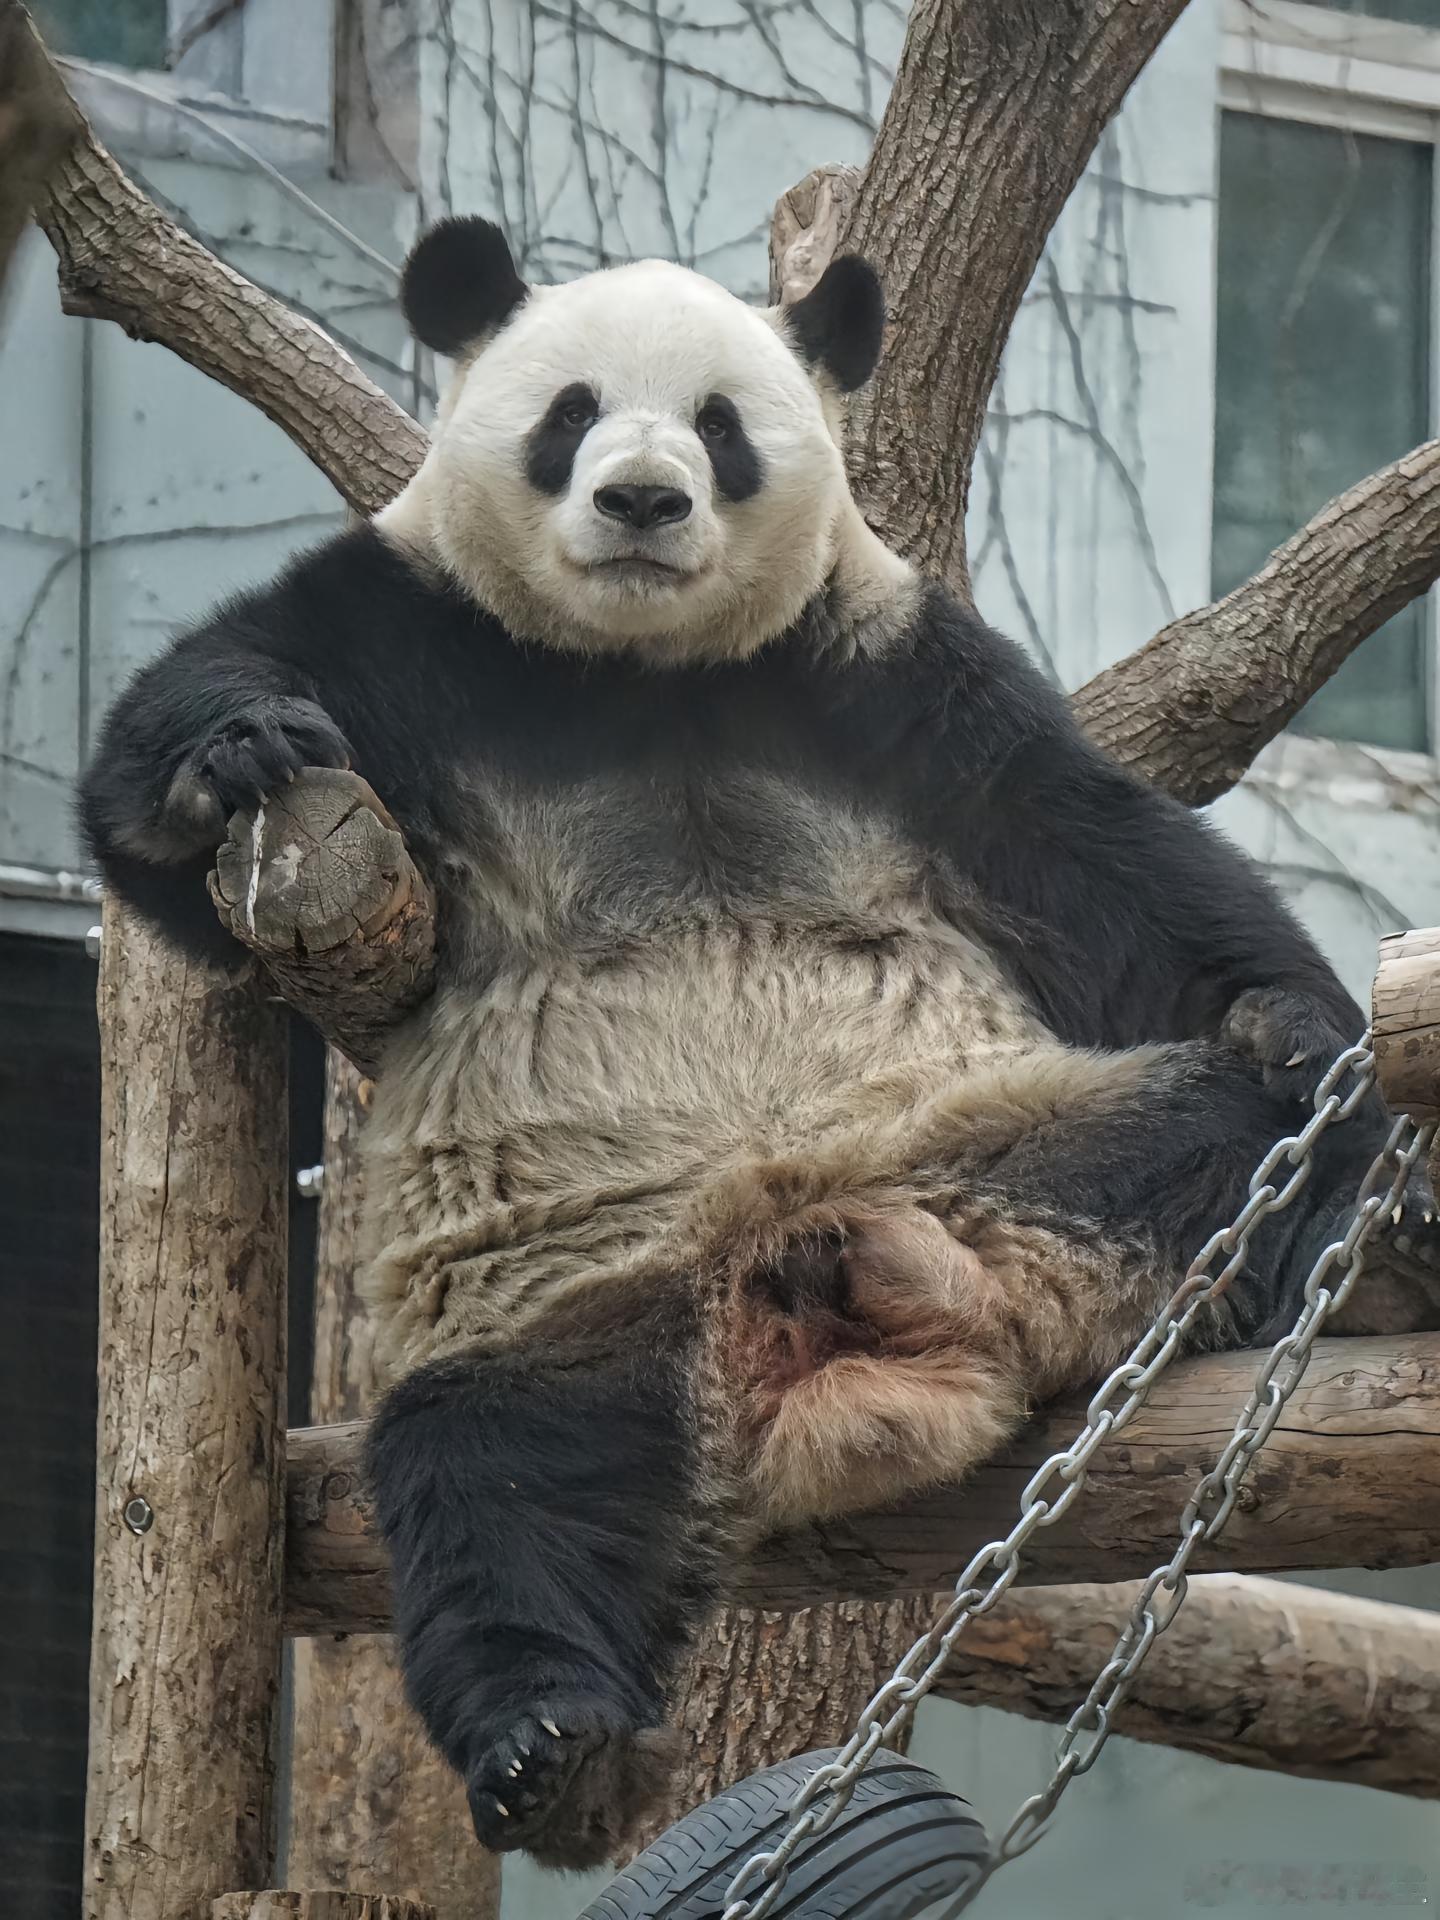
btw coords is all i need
(567, 1781)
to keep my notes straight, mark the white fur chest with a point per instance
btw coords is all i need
(564, 1123)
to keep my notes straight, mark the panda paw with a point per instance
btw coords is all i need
(1288, 1035)
(256, 753)
(567, 1781)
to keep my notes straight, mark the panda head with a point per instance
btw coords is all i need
(636, 459)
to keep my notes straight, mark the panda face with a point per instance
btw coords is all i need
(636, 459)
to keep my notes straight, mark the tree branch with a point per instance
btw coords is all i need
(121, 259)
(994, 113)
(1350, 1478)
(1194, 706)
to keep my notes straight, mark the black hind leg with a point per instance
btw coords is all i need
(1170, 1163)
(547, 1534)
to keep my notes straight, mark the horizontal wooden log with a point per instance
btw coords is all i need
(1405, 1022)
(1350, 1478)
(318, 884)
(280, 1904)
(1261, 1673)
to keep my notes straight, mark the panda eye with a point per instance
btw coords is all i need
(577, 414)
(712, 425)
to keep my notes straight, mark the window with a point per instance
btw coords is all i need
(127, 33)
(1322, 370)
(1325, 326)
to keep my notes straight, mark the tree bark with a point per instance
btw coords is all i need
(1350, 1478)
(1194, 706)
(319, 885)
(1258, 1672)
(372, 1805)
(766, 1685)
(185, 1663)
(1405, 1023)
(994, 112)
(279, 1905)
(36, 126)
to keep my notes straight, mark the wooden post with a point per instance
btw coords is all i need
(371, 1804)
(189, 1530)
(1405, 1022)
(278, 1905)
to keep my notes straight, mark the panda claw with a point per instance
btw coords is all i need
(551, 1728)
(502, 1809)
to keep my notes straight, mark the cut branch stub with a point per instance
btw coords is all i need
(1405, 1022)
(318, 884)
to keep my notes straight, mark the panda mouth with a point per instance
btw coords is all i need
(636, 566)
(638, 571)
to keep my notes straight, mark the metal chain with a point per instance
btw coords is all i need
(1057, 1483)
(1213, 1500)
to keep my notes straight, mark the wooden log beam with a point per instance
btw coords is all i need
(277, 1904)
(1261, 1673)
(1405, 1022)
(186, 1647)
(1350, 1478)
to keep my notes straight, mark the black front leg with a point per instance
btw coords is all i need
(551, 1540)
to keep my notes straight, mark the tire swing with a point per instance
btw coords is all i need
(860, 1830)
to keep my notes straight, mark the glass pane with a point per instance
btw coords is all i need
(1322, 370)
(128, 33)
(1418, 13)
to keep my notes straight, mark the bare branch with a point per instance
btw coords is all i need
(1191, 709)
(121, 259)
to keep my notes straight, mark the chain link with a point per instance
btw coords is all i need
(1213, 1500)
(822, 1798)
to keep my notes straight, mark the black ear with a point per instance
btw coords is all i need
(459, 282)
(839, 324)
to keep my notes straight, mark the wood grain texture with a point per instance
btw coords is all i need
(1261, 1673)
(277, 1904)
(1405, 1022)
(319, 885)
(1350, 1478)
(371, 1803)
(185, 1665)
(763, 1685)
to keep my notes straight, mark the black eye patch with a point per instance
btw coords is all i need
(733, 460)
(551, 446)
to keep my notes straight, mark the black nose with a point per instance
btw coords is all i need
(642, 507)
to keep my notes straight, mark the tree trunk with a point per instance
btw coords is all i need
(371, 1804)
(764, 1686)
(995, 110)
(189, 1527)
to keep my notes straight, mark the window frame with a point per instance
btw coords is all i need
(283, 134)
(1293, 61)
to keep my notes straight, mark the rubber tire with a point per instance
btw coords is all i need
(903, 1843)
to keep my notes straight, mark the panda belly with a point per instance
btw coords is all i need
(565, 1126)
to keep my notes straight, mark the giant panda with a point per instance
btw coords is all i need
(833, 1053)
